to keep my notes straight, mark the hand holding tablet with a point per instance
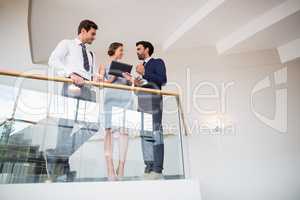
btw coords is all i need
(118, 68)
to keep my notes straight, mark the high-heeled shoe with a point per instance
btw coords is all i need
(112, 178)
(120, 178)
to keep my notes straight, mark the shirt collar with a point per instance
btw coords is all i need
(147, 59)
(77, 41)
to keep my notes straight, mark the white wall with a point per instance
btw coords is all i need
(14, 40)
(256, 161)
(14, 37)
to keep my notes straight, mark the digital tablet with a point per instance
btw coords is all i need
(117, 68)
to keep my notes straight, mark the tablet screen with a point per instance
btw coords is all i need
(117, 68)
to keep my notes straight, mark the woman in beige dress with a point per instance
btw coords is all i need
(114, 98)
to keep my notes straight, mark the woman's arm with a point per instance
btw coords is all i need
(101, 72)
(102, 75)
(111, 79)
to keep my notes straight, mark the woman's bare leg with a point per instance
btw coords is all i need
(123, 147)
(108, 152)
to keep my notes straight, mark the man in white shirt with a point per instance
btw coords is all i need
(72, 59)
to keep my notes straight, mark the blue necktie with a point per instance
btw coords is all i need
(86, 64)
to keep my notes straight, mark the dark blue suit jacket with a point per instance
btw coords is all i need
(155, 73)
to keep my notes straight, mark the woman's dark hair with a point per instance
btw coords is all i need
(146, 45)
(113, 48)
(87, 25)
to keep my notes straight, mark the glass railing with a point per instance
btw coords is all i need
(53, 131)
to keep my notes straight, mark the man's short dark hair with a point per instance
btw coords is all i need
(87, 25)
(146, 45)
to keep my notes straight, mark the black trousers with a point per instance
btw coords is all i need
(152, 141)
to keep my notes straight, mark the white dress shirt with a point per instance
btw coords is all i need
(67, 58)
(140, 76)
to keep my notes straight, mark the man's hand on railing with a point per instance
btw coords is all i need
(77, 80)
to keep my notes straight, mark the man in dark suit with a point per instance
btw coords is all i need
(151, 74)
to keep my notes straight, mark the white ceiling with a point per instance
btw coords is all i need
(274, 36)
(119, 20)
(157, 20)
(231, 15)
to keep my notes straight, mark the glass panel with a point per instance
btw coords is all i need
(57, 132)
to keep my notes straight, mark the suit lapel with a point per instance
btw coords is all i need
(148, 63)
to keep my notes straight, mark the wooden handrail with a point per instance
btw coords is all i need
(97, 84)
